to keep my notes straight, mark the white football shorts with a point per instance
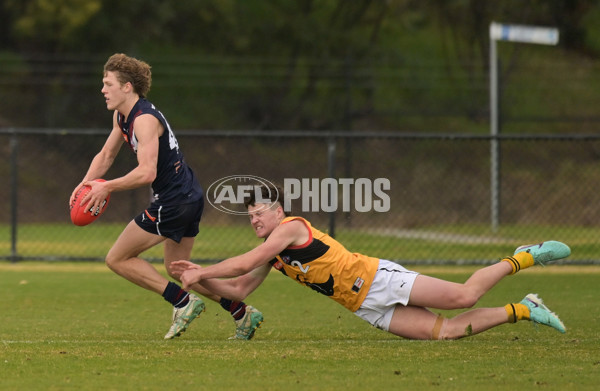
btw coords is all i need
(391, 286)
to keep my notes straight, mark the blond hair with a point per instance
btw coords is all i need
(130, 70)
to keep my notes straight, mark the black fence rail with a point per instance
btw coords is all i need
(412, 198)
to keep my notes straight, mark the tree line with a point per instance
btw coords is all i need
(269, 64)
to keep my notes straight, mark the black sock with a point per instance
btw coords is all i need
(236, 308)
(175, 295)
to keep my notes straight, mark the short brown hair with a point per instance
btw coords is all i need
(273, 193)
(130, 70)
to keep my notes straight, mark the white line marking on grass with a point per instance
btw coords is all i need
(195, 342)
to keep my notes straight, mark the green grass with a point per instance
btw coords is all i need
(78, 326)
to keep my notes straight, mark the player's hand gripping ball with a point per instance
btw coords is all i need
(81, 216)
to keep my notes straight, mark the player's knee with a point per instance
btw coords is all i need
(112, 261)
(109, 261)
(464, 298)
(468, 301)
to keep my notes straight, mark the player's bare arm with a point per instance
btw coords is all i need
(147, 131)
(283, 236)
(240, 287)
(102, 161)
(231, 267)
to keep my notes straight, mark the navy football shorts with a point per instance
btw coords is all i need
(172, 221)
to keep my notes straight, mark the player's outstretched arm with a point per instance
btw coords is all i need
(281, 237)
(186, 272)
(234, 289)
(240, 287)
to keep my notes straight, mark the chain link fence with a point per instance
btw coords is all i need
(440, 197)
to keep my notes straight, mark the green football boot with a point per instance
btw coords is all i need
(539, 313)
(246, 326)
(546, 251)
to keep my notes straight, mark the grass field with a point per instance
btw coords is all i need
(77, 326)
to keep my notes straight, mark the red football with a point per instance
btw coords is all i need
(81, 216)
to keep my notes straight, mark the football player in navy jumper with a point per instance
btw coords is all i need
(173, 216)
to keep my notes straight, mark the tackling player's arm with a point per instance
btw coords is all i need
(282, 236)
(240, 287)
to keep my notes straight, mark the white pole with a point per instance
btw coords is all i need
(513, 33)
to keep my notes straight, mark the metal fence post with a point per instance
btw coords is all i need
(494, 142)
(14, 146)
(331, 145)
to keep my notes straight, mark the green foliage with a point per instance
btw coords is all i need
(79, 326)
(333, 64)
(51, 24)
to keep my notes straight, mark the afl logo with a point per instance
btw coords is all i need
(228, 194)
